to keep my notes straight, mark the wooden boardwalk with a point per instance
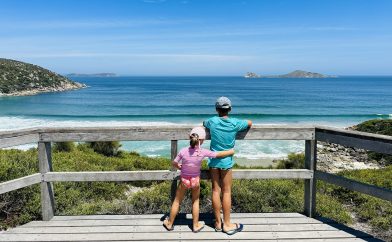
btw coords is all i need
(258, 227)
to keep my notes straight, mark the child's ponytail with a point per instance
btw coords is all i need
(194, 140)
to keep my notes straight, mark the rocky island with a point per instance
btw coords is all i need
(293, 74)
(19, 79)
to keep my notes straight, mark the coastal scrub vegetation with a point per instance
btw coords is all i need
(143, 197)
(377, 126)
(17, 76)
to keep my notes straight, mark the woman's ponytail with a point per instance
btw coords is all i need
(194, 140)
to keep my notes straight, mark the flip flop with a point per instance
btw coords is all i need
(198, 230)
(239, 228)
(219, 229)
(167, 228)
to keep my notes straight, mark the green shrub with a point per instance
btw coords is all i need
(330, 207)
(156, 199)
(22, 205)
(72, 198)
(107, 148)
(377, 126)
(258, 196)
(63, 146)
(293, 161)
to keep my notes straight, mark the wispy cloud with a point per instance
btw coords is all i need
(92, 24)
(154, 1)
(190, 56)
(330, 28)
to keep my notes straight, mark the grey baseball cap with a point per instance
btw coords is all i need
(223, 103)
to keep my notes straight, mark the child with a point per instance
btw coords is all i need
(223, 131)
(188, 161)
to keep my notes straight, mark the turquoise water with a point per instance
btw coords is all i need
(117, 101)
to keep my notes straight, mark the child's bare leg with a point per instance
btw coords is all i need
(227, 178)
(181, 189)
(195, 208)
(216, 199)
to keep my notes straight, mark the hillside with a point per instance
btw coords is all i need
(19, 78)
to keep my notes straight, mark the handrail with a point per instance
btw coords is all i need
(44, 137)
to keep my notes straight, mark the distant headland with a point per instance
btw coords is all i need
(293, 74)
(91, 75)
(20, 79)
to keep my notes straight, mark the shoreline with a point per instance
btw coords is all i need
(62, 88)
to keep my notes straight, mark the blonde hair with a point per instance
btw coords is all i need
(194, 140)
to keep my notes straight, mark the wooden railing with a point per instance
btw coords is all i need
(46, 175)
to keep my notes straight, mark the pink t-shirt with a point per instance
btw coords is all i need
(191, 160)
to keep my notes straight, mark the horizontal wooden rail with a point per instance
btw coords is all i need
(19, 132)
(160, 175)
(18, 140)
(20, 183)
(353, 185)
(152, 133)
(368, 141)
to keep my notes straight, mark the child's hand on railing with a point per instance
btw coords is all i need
(232, 151)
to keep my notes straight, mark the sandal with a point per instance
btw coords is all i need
(219, 229)
(165, 226)
(239, 228)
(199, 229)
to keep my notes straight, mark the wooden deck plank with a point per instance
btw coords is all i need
(175, 236)
(267, 227)
(188, 216)
(159, 228)
(149, 221)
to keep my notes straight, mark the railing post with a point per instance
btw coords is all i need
(173, 152)
(45, 165)
(310, 184)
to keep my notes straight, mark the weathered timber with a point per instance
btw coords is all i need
(45, 165)
(19, 132)
(170, 175)
(152, 133)
(352, 185)
(310, 184)
(158, 228)
(202, 216)
(368, 141)
(18, 140)
(20, 183)
(258, 227)
(173, 154)
(154, 221)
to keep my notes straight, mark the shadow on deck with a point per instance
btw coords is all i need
(258, 227)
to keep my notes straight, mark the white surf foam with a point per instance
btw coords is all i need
(13, 123)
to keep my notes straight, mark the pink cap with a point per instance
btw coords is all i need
(200, 131)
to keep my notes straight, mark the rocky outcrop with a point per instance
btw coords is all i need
(334, 158)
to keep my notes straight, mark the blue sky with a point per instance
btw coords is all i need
(196, 37)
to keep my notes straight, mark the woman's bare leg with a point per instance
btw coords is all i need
(216, 200)
(227, 179)
(181, 189)
(195, 208)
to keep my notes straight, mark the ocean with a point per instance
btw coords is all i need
(124, 101)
